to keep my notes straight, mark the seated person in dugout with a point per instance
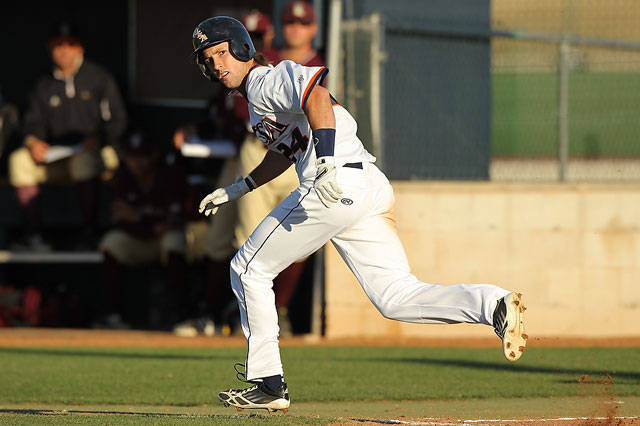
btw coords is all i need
(148, 212)
(74, 114)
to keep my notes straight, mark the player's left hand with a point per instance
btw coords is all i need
(210, 204)
(326, 184)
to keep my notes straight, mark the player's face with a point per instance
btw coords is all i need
(298, 34)
(66, 55)
(224, 66)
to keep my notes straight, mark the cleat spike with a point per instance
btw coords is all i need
(516, 302)
(226, 404)
(525, 336)
(508, 345)
(512, 354)
(238, 408)
(285, 410)
(521, 348)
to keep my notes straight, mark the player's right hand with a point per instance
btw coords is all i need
(326, 185)
(210, 204)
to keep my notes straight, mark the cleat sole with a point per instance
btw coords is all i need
(515, 335)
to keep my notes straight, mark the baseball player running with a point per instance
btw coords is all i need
(343, 197)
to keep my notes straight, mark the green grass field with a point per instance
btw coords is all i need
(603, 115)
(327, 384)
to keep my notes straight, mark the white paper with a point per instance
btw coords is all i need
(216, 148)
(59, 152)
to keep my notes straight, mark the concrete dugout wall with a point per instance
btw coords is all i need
(572, 250)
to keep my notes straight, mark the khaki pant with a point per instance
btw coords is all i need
(257, 204)
(24, 171)
(130, 250)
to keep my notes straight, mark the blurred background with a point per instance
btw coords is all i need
(499, 92)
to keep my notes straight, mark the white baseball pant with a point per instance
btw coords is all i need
(364, 234)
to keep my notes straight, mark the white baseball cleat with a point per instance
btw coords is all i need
(508, 323)
(257, 396)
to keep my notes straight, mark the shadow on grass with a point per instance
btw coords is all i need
(115, 354)
(633, 376)
(50, 412)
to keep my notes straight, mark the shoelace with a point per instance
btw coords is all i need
(242, 375)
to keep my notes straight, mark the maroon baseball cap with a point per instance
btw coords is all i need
(256, 22)
(298, 11)
(64, 33)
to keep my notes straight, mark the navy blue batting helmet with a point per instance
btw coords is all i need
(217, 30)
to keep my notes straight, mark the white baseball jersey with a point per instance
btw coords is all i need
(277, 96)
(360, 225)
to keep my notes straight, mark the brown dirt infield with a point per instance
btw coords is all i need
(132, 338)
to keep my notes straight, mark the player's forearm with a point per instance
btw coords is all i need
(273, 165)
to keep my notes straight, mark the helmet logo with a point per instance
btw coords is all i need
(200, 35)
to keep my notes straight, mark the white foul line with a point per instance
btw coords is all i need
(434, 421)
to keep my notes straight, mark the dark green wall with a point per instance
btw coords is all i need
(437, 93)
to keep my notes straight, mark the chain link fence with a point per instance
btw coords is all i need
(565, 84)
(562, 95)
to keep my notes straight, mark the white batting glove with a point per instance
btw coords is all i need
(210, 204)
(325, 184)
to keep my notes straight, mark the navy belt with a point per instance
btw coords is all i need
(353, 165)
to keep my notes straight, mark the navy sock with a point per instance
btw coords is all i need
(273, 382)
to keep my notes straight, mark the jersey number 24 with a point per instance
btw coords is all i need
(299, 142)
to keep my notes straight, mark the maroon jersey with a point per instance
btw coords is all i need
(313, 59)
(162, 203)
